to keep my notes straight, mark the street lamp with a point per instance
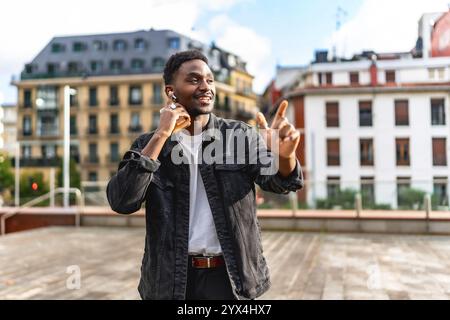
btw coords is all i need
(66, 173)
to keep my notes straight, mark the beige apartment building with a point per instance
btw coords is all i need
(119, 92)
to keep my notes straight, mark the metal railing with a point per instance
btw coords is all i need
(51, 194)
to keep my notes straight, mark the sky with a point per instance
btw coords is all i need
(264, 33)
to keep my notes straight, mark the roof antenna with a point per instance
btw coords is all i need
(340, 15)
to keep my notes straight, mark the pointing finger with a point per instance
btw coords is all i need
(261, 121)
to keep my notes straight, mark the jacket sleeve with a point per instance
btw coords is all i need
(264, 169)
(127, 188)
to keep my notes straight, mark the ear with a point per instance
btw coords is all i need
(168, 89)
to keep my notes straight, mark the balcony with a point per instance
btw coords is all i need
(114, 130)
(48, 130)
(38, 162)
(112, 158)
(92, 131)
(135, 103)
(135, 129)
(91, 159)
(114, 102)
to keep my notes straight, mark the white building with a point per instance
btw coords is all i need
(375, 123)
(8, 128)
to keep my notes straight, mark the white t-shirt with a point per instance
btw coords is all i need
(202, 231)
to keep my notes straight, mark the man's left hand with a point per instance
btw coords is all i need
(287, 138)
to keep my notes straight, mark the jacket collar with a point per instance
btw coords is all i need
(210, 133)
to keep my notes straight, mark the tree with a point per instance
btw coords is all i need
(74, 174)
(6, 174)
(32, 185)
(75, 178)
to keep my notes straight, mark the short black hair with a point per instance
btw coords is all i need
(176, 60)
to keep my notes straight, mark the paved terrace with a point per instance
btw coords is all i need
(33, 264)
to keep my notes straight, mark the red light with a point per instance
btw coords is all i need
(34, 186)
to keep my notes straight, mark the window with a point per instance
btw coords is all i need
(135, 119)
(79, 47)
(113, 96)
(116, 65)
(135, 95)
(96, 66)
(367, 191)
(72, 67)
(333, 187)
(75, 153)
(52, 68)
(114, 149)
(99, 45)
(319, 75)
(73, 125)
(119, 45)
(93, 157)
(48, 151)
(174, 43)
(365, 113)
(47, 97)
(402, 151)
(440, 191)
(403, 184)
(366, 152)
(157, 97)
(92, 124)
(58, 47)
(401, 113)
(439, 151)
(140, 45)
(27, 98)
(332, 114)
(26, 126)
(93, 96)
(135, 125)
(333, 157)
(114, 123)
(329, 78)
(137, 64)
(354, 77)
(26, 152)
(92, 176)
(158, 64)
(155, 120)
(390, 76)
(436, 73)
(437, 112)
(74, 99)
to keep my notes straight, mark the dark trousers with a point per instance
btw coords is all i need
(208, 284)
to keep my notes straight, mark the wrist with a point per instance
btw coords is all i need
(161, 134)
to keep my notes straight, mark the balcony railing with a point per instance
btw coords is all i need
(92, 131)
(112, 158)
(135, 129)
(114, 130)
(92, 159)
(38, 162)
(47, 131)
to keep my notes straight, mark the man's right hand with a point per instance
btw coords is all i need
(173, 120)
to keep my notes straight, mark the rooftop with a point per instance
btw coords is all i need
(34, 264)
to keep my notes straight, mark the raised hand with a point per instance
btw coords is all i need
(280, 131)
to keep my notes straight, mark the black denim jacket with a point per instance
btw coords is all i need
(230, 189)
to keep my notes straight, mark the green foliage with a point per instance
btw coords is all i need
(410, 198)
(75, 176)
(26, 186)
(6, 173)
(345, 199)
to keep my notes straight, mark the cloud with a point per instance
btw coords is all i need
(383, 26)
(33, 24)
(253, 48)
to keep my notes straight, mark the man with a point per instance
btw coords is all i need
(203, 238)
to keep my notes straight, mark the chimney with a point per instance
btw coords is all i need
(374, 72)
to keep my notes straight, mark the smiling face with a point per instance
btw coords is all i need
(193, 85)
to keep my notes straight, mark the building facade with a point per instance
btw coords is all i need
(376, 123)
(8, 128)
(119, 92)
